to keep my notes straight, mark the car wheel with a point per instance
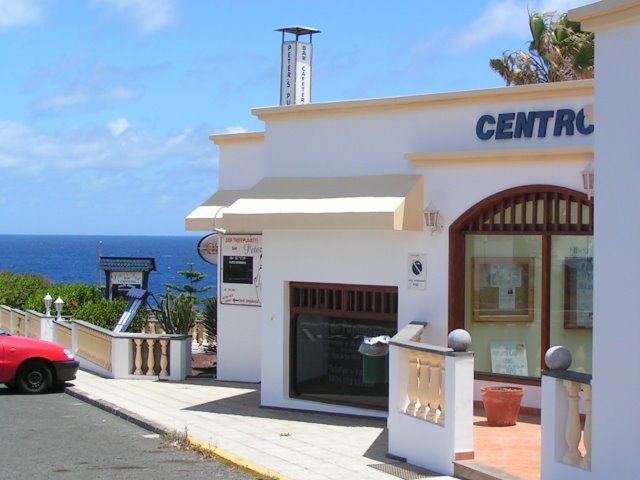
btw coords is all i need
(34, 377)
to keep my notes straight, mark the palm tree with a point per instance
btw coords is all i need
(559, 51)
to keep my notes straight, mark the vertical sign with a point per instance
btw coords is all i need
(303, 73)
(287, 76)
(295, 76)
(241, 270)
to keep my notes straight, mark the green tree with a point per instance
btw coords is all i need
(178, 306)
(559, 50)
(192, 288)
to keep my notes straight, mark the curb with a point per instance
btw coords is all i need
(206, 449)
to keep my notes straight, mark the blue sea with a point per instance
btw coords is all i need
(74, 258)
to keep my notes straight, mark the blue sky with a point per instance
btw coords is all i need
(106, 105)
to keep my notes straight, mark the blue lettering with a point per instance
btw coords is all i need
(544, 117)
(564, 120)
(503, 128)
(581, 125)
(481, 133)
(524, 125)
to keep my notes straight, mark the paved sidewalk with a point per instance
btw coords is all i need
(226, 418)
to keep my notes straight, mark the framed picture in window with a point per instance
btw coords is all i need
(578, 292)
(502, 289)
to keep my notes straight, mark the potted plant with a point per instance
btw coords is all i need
(501, 404)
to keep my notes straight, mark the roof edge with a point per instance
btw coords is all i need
(547, 90)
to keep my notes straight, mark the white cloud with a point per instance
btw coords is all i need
(560, 6)
(84, 96)
(25, 151)
(506, 18)
(19, 13)
(235, 129)
(499, 19)
(147, 15)
(117, 127)
(180, 138)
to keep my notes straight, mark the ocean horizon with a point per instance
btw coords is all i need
(74, 258)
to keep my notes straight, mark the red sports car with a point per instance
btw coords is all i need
(34, 366)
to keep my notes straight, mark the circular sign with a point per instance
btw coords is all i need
(208, 248)
(416, 268)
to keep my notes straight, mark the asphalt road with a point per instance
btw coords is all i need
(55, 436)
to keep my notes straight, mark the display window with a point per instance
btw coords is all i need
(521, 276)
(339, 343)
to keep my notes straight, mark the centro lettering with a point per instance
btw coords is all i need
(524, 124)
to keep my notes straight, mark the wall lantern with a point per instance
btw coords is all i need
(58, 304)
(47, 304)
(431, 215)
(587, 179)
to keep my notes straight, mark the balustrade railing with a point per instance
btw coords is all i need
(198, 333)
(151, 356)
(566, 421)
(430, 401)
(115, 355)
(33, 325)
(425, 386)
(5, 319)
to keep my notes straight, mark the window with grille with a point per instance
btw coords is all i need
(328, 325)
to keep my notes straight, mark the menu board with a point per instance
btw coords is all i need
(241, 269)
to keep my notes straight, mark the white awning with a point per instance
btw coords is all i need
(385, 202)
(208, 215)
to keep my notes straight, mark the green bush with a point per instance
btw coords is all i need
(177, 313)
(81, 301)
(74, 295)
(210, 318)
(17, 288)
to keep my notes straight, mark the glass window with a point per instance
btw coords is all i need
(329, 323)
(521, 279)
(571, 299)
(503, 297)
(329, 366)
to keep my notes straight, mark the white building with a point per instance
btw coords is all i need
(325, 243)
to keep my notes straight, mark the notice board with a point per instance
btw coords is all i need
(241, 269)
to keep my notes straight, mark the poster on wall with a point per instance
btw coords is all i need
(509, 358)
(241, 270)
(502, 289)
(578, 292)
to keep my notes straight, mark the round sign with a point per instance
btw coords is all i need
(208, 248)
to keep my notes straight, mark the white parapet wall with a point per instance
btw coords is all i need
(430, 419)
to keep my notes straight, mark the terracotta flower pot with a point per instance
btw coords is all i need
(501, 405)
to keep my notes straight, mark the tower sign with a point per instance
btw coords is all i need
(295, 76)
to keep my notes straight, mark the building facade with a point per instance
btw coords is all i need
(330, 203)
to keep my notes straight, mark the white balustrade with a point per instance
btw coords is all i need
(138, 360)
(412, 387)
(425, 386)
(151, 357)
(418, 401)
(566, 441)
(163, 358)
(572, 455)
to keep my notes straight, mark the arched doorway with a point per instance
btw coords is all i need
(520, 278)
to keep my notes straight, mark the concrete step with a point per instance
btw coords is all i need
(473, 470)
